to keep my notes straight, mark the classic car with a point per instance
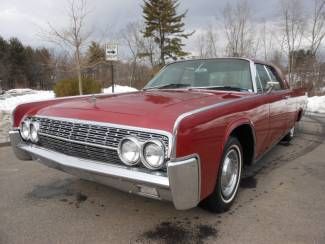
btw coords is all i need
(184, 138)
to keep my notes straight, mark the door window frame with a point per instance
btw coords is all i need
(278, 79)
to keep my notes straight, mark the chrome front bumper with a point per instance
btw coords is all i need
(181, 183)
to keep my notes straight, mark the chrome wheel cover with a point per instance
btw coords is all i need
(292, 132)
(230, 175)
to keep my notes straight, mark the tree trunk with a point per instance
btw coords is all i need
(162, 53)
(79, 70)
(134, 66)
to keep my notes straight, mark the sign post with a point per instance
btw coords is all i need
(111, 51)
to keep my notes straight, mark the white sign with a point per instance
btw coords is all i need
(111, 52)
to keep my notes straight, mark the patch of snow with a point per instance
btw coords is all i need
(19, 91)
(119, 89)
(14, 97)
(9, 101)
(316, 104)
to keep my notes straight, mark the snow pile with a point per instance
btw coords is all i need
(316, 104)
(19, 92)
(13, 98)
(119, 89)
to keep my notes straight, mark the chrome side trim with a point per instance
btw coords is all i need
(78, 142)
(148, 130)
(188, 114)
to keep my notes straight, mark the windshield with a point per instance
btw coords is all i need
(225, 74)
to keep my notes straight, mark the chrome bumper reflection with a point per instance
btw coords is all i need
(181, 183)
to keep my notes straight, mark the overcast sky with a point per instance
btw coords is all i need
(24, 19)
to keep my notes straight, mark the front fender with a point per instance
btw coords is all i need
(235, 124)
(206, 136)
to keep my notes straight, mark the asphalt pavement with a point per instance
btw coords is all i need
(281, 201)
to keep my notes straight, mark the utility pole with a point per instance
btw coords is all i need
(112, 73)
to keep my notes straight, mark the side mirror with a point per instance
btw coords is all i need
(270, 86)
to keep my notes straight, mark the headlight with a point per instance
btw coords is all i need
(25, 129)
(129, 151)
(34, 128)
(153, 154)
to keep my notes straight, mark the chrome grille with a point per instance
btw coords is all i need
(87, 140)
(80, 150)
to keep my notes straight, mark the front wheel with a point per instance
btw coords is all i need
(229, 176)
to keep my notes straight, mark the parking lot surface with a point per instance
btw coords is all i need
(282, 200)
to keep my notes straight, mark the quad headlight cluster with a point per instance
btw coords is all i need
(29, 130)
(151, 153)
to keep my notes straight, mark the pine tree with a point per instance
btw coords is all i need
(95, 53)
(4, 64)
(18, 61)
(165, 26)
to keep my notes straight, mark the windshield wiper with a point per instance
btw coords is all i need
(235, 88)
(171, 85)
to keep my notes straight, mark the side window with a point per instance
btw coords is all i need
(275, 78)
(262, 77)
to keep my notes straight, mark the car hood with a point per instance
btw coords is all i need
(149, 109)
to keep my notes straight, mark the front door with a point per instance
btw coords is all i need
(277, 101)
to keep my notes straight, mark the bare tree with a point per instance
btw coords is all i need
(311, 68)
(317, 32)
(200, 45)
(133, 38)
(238, 28)
(276, 57)
(151, 51)
(207, 43)
(292, 23)
(142, 50)
(267, 41)
(74, 35)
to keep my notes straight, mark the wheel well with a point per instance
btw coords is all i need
(299, 115)
(244, 134)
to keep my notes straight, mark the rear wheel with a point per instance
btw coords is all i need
(290, 135)
(228, 179)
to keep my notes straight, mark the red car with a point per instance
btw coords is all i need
(184, 138)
